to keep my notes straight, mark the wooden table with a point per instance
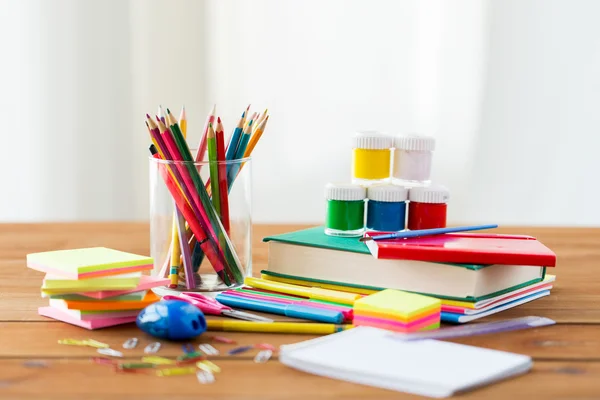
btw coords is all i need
(567, 355)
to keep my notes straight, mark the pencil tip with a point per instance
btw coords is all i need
(148, 116)
(219, 120)
(168, 111)
(365, 239)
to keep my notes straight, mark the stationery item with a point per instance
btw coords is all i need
(156, 360)
(372, 357)
(110, 352)
(222, 170)
(176, 371)
(205, 377)
(482, 328)
(131, 343)
(235, 139)
(427, 207)
(214, 169)
(311, 258)
(260, 119)
(56, 284)
(97, 315)
(345, 209)
(210, 306)
(146, 282)
(160, 113)
(459, 318)
(239, 154)
(263, 356)
(222, 339)
(152, 348)
(93, 304)
(466, 248)
(371, 156)
(239, 350)
(266, 346)
(347, 311)
(203, 140)
(311, 293)
(207, 365)
(275, 327)
(87, 263)
(175, 252)
(182, 121)
(134, 366)
(208, 349)
(86, 342)
(258, 131)
(399, 311)
(426, 232)
(289, 310)
(386, 208)
(172, 319)
(134, 296)
(185, 251)
(60, 315)
(413, 157)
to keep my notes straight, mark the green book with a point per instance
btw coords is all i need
(309, 254)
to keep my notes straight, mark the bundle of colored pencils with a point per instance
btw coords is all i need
(201, 217)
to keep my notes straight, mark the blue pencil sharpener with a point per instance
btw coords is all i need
(172, 320)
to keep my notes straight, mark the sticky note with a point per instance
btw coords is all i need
(403, 305)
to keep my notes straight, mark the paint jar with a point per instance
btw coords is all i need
(371, 157)
(427, 207)
(413, 156)
(345, 210)
(386, 207)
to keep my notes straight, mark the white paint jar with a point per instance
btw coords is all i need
(413, 156)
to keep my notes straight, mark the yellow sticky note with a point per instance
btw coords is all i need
(398, 304)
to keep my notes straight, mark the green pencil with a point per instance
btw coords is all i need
(214, 168)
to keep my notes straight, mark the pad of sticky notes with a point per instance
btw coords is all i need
(88, 262)
(398, 311)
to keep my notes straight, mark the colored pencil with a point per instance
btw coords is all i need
(239, 154)
(235, 138)
(256, 137)
(232, 261)
(202, 146)
(183, 122)
(223, 195)
(275, 327)
(214, 169)
(185, 251)
(161, 113)
(260, 119)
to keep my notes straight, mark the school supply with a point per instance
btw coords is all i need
(105, 304)
(371, 157)
(482, 328)
(311, 293)
(371, 356)
(146, 282)
(96, 323)
(275, 327)
(88, 262)
(210, 306)
(321, 260)
(386, 208)
(413, 156)
(172, 320)
(289, 310)
(465, 248)
(427, 207)
(345, 215)
(54, 284)
(397, 311)
(425, 232)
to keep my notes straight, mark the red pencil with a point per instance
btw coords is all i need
(223, 195)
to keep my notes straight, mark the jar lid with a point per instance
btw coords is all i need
(429, 194)
(388, 193)
(345, 191)
(372, 140)
(415, 143)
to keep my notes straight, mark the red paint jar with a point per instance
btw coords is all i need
(428, 207)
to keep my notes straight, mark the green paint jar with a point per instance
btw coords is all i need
(345, 210)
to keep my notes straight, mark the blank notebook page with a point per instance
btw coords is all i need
(371, 356)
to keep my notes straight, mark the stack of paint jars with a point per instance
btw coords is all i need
(391, 181)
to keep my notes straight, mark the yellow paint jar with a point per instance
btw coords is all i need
(371, 155)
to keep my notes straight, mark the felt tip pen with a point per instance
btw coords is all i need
(275, 327)
(289, 310)
(304, 291)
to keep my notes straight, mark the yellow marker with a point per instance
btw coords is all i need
(304, 291)
(275, 327)
(176, 371)
(157, 360)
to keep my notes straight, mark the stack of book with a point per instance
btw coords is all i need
(474, 275)
(94, 287)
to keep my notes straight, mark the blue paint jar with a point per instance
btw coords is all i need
(386, 208)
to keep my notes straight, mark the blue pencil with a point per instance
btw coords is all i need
(232, 173)
(427, 232)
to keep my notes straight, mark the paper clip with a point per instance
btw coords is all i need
(176, 371)
(266, 346)
(142, 365)
(188, 348)
(263, 356)
(208, 366)
(222, 339)
(96, 344)
(35, 364)
(103, 361)
(130, 343)
(190, 358)
(152, 348)
(208, 349)
(157, 360)
(205, 377)
(239, 350)
(110, 352)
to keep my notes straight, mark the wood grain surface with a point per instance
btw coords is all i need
(32, 364)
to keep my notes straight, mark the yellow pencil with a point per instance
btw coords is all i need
(183, 122)
(315, 293)
(261, 118)
(275, 327)
(255, 137)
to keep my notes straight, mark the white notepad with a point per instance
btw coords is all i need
(372, 356)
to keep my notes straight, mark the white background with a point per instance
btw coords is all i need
(510, 89)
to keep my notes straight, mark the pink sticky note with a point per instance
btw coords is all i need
(57, 314)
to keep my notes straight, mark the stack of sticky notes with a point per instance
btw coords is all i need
(95, 287)
(398, 311)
